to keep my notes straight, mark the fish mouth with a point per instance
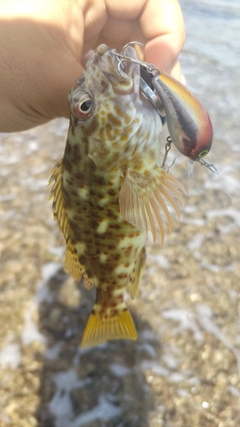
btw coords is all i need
(125, 67)
(120, 72)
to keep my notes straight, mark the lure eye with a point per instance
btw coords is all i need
(203, 153)
(81, 104)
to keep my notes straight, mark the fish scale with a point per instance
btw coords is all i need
(98, 206)
(109, 190)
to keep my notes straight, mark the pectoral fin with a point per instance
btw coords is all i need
(145, 196)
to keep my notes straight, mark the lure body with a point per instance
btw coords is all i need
(188, 122)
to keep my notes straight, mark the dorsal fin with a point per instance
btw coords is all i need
(72, 264)
(59, 212)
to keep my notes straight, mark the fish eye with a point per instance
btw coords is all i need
(85, 105)
(81, 105)
(203, 153)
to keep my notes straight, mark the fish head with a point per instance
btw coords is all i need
(106, 106)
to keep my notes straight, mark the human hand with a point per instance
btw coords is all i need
(44, 46)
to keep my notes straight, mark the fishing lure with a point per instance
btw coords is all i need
(189, 124)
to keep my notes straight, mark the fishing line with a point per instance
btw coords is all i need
(223, 186)
(214, 170)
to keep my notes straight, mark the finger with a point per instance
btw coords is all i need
(162, 23)
(175, 71)
(125, 9)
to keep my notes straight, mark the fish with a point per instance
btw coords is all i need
(109, 190)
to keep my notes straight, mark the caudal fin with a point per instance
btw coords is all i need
(102, 327)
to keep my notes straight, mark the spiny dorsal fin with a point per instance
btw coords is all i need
(103, 327)
(144, 197)
(72, 264)
(137, 273)
(59, 212)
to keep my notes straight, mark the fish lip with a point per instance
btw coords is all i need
(124, 80)
(108, 59)
(129, 69)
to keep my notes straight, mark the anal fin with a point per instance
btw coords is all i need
(102, 327)
(137, 273)
(72, 265)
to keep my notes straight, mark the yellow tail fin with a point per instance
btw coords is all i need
(101, 328)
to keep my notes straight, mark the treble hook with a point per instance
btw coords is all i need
(167, 149)
(149, 67)
(130, 43)
(120, 57)
(209, 166)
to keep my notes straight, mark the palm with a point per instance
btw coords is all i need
(44, 53)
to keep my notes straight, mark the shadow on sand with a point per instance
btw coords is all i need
(100, 386)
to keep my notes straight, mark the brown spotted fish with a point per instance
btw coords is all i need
(109, 189)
